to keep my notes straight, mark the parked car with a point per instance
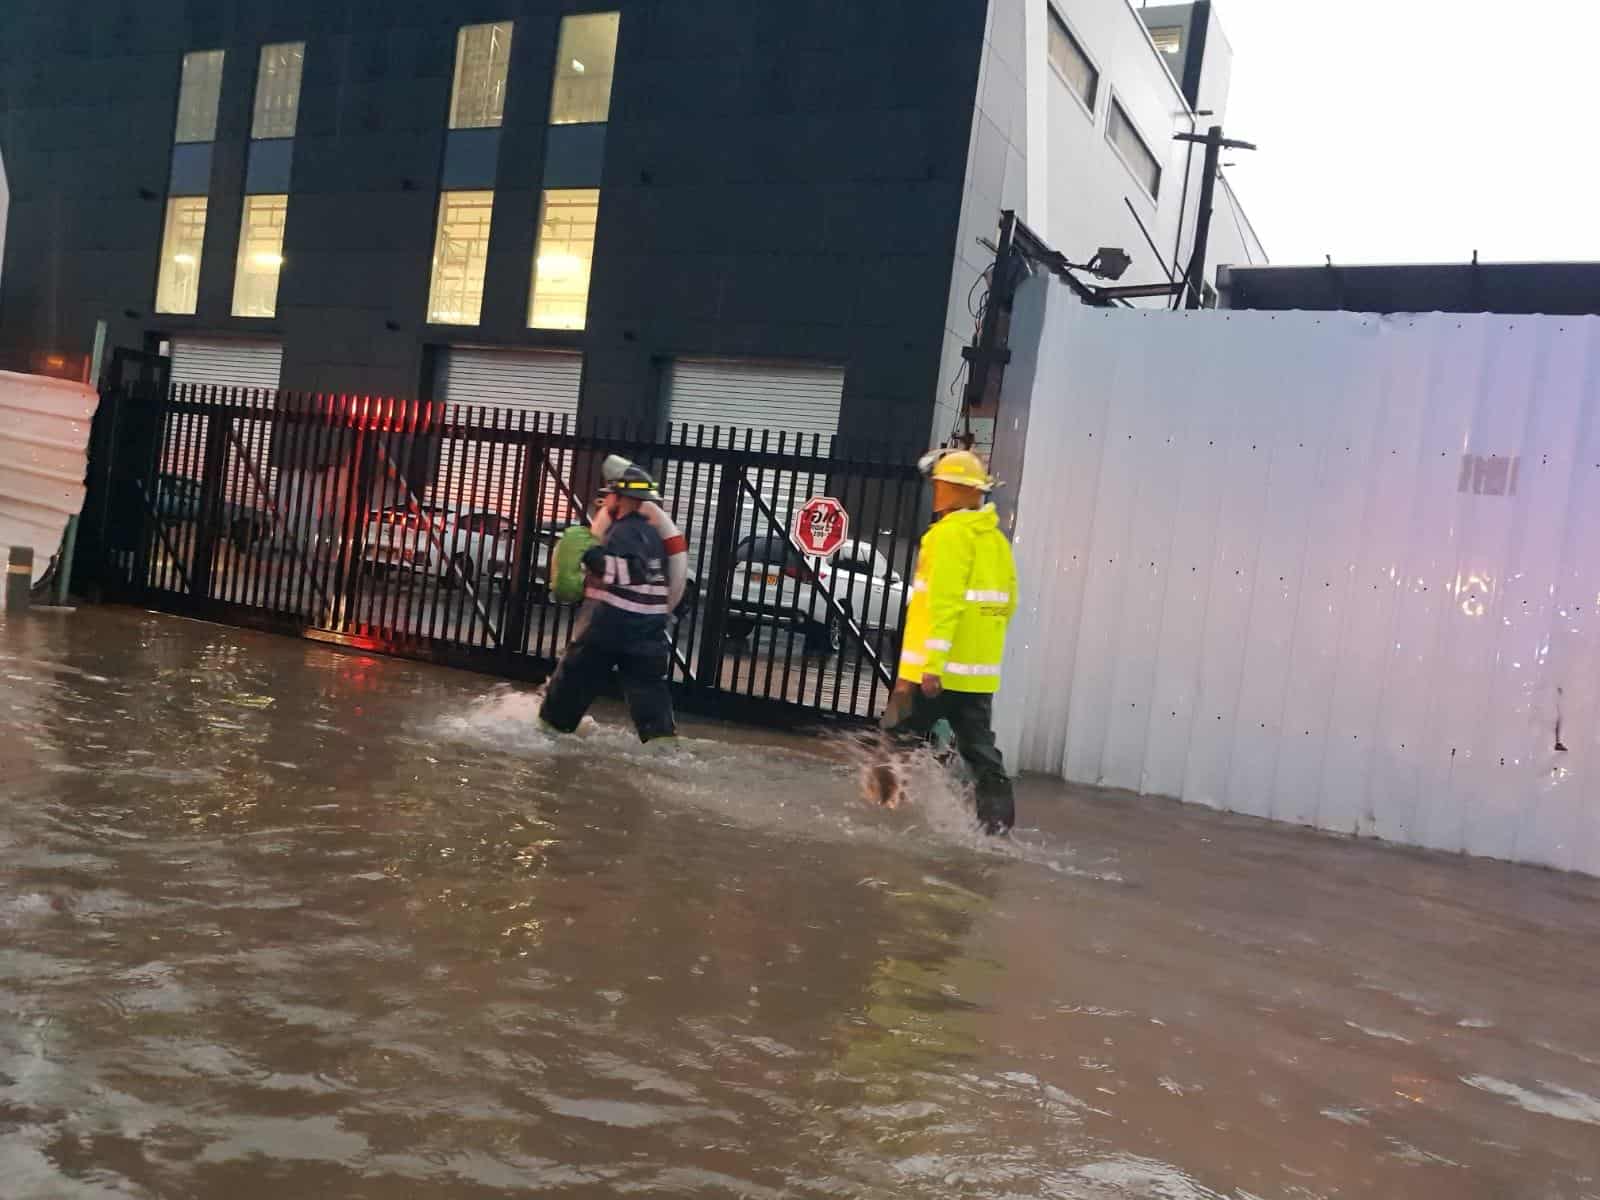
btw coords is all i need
(178, 499)
(457, 545)
(770, 583)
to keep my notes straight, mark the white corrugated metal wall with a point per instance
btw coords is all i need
(1324, 568)
(42, 460)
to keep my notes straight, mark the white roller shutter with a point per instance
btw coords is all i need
(471, 475)
(226, 362)
(249, 475)
(517, 379)
(759, 398)
(782, 399)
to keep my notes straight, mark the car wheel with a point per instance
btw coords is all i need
(826, 637)
(461, 569)
(737, 628)
(244, 534)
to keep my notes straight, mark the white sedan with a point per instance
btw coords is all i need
(457, 545)
(770, 583)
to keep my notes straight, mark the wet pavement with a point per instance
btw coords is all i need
(282, 921)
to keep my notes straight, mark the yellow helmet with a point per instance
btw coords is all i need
(960, 467)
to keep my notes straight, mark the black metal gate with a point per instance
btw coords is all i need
(426, 530)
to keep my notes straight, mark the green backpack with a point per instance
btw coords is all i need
(566, 564)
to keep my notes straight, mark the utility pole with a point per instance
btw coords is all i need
(1213, 141)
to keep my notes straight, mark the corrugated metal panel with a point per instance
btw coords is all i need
(1329, 569)
(515, 379)
(42, 460)
(782, 399)
(226, 362)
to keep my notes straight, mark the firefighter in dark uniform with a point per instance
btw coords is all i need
(622, 626)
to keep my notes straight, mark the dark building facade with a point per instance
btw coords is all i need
(777, 183)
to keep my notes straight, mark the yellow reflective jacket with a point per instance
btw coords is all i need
(963, 597)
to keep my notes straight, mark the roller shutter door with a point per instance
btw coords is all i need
(226, 362)
(759, 398)
(511, 379)
(249, 474)
(803, 400)
(509, 382)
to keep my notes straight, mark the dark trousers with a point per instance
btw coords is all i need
(911, 718)
(585, 672)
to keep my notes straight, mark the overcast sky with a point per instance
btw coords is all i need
(1415, 130)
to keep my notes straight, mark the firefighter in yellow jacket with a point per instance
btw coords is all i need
(955, 633)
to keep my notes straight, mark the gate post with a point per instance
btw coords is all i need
(514, 637)
(714, 599)
(212, 470)
(348, 417)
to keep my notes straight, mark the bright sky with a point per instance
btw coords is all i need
(1416, 131)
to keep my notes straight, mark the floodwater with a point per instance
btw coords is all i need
(280, 921)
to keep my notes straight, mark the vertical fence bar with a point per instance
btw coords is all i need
(427, 540)
(720, 592)
(352, 528)
(525, 549)
(260, 491)
(800, 625)
(505, 505)
(772, 619)
(291, 420)
(151, 533)
(212, 504)
(285, 442)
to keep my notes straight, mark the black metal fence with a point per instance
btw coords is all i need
(427, 530)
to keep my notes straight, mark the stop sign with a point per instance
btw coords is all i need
(820, 527)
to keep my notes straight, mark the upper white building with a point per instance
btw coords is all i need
(1077, 107)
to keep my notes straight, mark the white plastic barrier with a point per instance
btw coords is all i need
(1327, 568)
(44, 445)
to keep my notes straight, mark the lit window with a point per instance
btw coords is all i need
(1133, 149)
(459, 255)
(1168, 38)
(562, 259)
(178, 287)
(278, 90)
(585, 62)
(1067, 56)
(255, 280)
(483, 59)
(198, 96)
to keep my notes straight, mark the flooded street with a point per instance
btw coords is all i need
(282, 921)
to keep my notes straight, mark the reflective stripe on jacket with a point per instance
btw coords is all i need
(961, 601)
(626, 595)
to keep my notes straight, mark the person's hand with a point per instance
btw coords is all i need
(932, 686)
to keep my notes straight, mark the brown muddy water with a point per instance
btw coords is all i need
(278, 922)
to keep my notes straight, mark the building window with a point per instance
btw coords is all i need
(483, 60)
(1168, 39)
(563, 258)
(255, 280)
(178, 286)
(586, 59)
(459, 255)
(278, 90)
(1122, 134)
(1067, 57)
(198, 96)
